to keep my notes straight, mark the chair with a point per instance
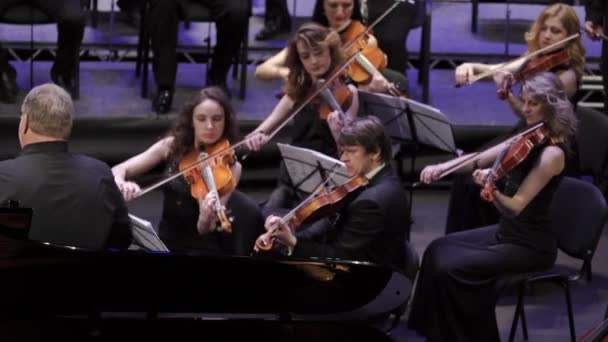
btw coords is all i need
(197, 13)
(24, 14)
(592, 145)
(578, 215)
(475, 9)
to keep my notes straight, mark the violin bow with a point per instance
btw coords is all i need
(476, 155)
(493, 70)
(242, 142)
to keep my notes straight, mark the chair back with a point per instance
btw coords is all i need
(578, 215)
(592, 141)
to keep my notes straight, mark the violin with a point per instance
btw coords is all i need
(336, 97)
(512, 156)
(313, 208)
(213, 176)
(370, 61)
(540, 64)
(524, 58)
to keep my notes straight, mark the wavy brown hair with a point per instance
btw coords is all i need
(314, 36)
(318, 14)
(548, 90)
(567, 16)
(182, 128)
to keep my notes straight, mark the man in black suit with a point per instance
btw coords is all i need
(74, 197)
(374, 226)
(596, 17)
(70, 29)
(231, 19)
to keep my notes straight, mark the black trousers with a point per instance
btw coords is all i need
(276, 10)
(456, 292)
(70, 30)
(231, 19)
(392, 31)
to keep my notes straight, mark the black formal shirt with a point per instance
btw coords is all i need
(372, 227)
(74, 197)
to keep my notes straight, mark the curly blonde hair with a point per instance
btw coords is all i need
(548, 90)
(314, 36)
(571, 23)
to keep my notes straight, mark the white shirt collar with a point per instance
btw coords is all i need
(375, 171)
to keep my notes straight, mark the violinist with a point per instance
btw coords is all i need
(312, 55)
(343, 16)
(190, 223)
(555, 23)
(374, 225)
(456, 293)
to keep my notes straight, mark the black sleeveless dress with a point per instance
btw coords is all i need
(180, 214)
(457, 285)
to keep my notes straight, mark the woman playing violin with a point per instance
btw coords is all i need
(555, 23)
(313, 54)
(373, 226)
(456, 291)
(338, 15)
(190, 223)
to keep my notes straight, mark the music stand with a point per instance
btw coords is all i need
(144, 236)
(307, 168)
(409, 121)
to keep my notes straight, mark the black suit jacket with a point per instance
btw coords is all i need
(372, 227)
(596, 11)
(74, 197)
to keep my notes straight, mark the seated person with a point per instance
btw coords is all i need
(70, 29)
(371, 227)
(456, 292)
(312, 55)
(339, 15)
(231, 19)
(276, 20)
(189, 223)
(74, 198)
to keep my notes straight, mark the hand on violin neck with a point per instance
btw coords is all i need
(464, 73)
(431, 173)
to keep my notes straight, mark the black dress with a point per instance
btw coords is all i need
(457, 286)
(178, 230)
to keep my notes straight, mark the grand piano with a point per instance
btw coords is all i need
(255, 295)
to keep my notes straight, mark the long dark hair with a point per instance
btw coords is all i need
(299, 81)
(182, 128)
(318, 16)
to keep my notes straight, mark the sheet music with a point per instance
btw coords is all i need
(431, 126)
(144, 235)
(302, 167)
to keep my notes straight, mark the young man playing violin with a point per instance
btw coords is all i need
(456, 289)
(190, 218)
(374, 225)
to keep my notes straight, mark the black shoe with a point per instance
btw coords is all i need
(274, 28)
(162, 101)
(8, 86)
(66, 82)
